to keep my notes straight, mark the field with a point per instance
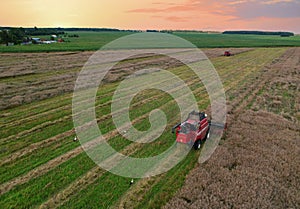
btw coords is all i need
(88, 41)
(255, 164)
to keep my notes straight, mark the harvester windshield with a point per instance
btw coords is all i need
(186, 128)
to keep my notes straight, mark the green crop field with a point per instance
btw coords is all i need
(94, 40)
(41, 166)
(235, 40)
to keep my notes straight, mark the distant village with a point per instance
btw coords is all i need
(52, 39)
(22, 36)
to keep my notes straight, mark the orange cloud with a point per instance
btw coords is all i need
(178, 8)
(155, 14)
(172, 18)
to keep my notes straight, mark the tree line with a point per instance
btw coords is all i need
(19, 35)
(260, 33)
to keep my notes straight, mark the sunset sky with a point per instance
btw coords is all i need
(213, 15)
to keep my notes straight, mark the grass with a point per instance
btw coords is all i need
(104, 192)
(62, 126)
(90, 41)
(35, 159)
(234, 40)
(162, 191)
(37, 190)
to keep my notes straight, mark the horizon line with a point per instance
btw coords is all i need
(142, 30)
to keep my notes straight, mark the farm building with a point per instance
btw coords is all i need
(36, 40)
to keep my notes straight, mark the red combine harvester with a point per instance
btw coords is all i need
(194, 130)
(227, 54)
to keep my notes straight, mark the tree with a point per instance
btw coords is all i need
(14, 35)
(18, 35)
(5, 37)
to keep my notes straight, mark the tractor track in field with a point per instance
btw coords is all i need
(260, 174)
(35, 128)
(31, 113)
(34, 117)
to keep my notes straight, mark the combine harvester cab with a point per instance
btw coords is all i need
(193, 131)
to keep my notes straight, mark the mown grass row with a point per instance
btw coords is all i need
(17, 115)
(35, 159)
(107, 124)
(102, 104)
(28, 111)
(40, 107)
(108, 193)
(53, 179)
(157, 104)
(55, 184)
(106, 186)
(162, 191)
(107, 98)
(154, 148)
(38, 190)
(158, 194)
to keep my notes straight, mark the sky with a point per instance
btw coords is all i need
(208, 15)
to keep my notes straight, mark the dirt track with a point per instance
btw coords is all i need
(257, 165)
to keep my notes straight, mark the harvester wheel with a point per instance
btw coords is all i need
(197, 144)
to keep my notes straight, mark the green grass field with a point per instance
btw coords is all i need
(89, 41)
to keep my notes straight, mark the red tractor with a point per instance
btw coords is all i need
(194, 130)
